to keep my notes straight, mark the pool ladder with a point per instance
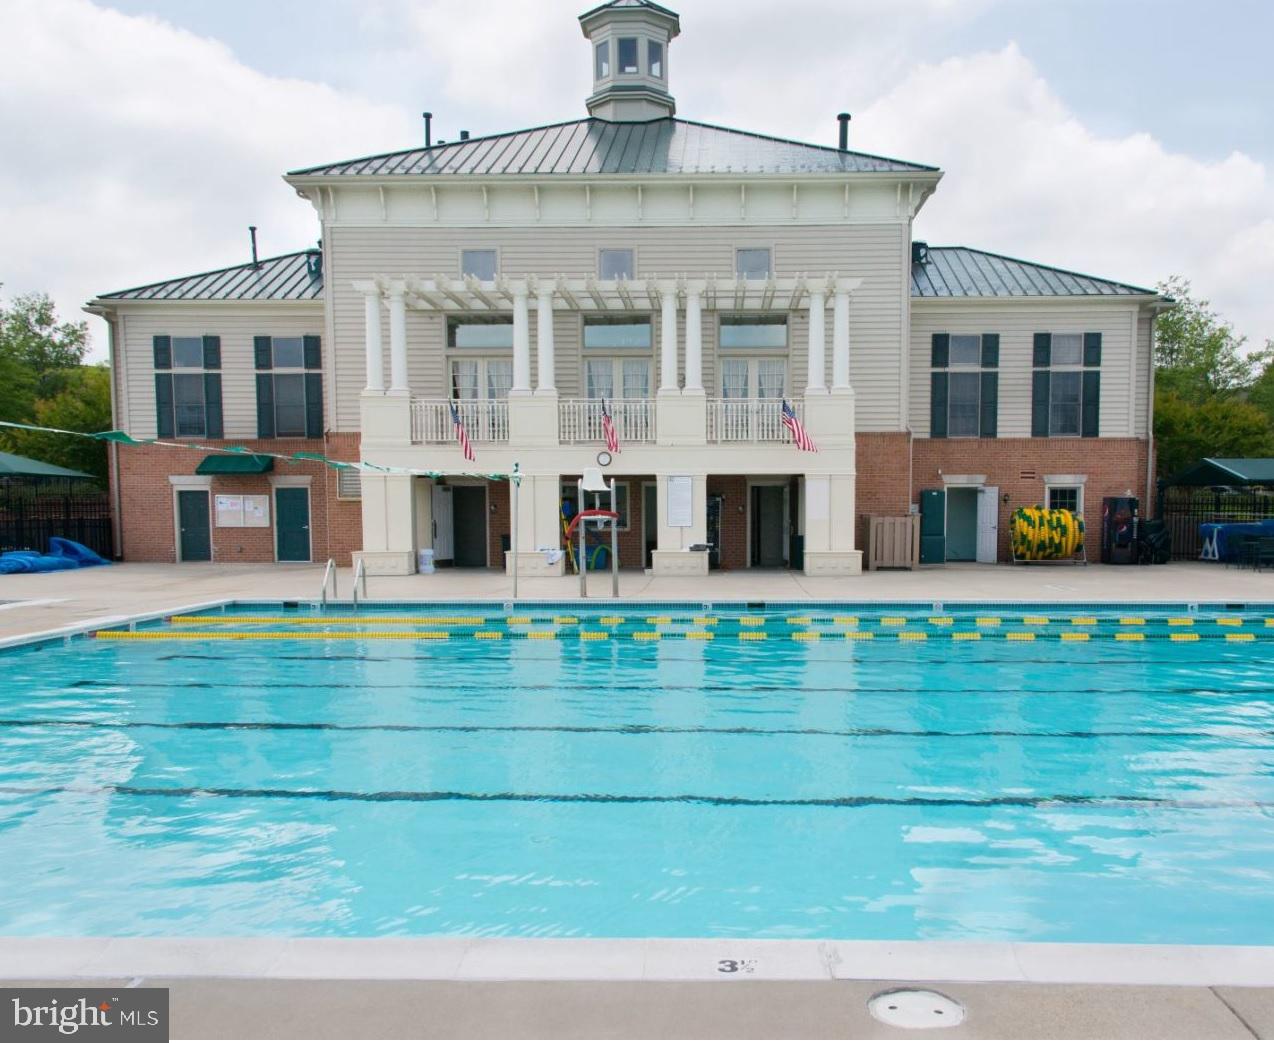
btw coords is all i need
(329, 576)
(360, 579)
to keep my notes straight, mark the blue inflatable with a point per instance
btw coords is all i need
(63, 554)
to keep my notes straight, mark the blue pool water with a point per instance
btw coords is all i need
(587, 774)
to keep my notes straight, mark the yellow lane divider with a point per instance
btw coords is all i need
(1183, 637)
(859, 635)
(752, 635)
(1076, 636)
(987, 621)
(852, 621)
(965, 635)
(751, 621)
(893, 621)
(1134, 636)
(1229, 621)
(1132, 621)
(1019, 635)
(1180, 621)
(913, 635)
(1084, 621)
(318, 621)
(1035, 621)
(941, 621)
(1240, 637)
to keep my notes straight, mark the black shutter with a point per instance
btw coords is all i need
(940, 350)
(265, 405)
(1043, 354)
(164, 427)
(212, 404)
(1039, 402)
(1091, 403)
(314, 405)
(989, 413)
(1092, 349)
(938, 405)
(211, 351)
(262, 349)
(990, 350)
(163, 348)
(313, 354)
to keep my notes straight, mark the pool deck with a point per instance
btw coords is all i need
(497, 988)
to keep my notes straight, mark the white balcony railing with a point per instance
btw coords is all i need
(580, 420)
(485, 420)
(750, 419)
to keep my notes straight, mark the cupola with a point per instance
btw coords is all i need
(629, 42)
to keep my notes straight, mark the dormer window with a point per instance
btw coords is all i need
(655, 58)
(626, 55)
(602, 69)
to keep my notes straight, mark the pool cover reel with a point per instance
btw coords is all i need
(1043, 534)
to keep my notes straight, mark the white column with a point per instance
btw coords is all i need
(375, 350)
(840, 341)
(397, 341)
(668, 342)
(546, 382)
(694, 341)
(816, 381)
(521, 344)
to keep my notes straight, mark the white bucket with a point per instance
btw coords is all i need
(425, 561)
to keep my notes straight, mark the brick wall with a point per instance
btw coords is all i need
(734, 522)
(883, 462)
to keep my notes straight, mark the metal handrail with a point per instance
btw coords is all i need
(360, 573)
(328, 573)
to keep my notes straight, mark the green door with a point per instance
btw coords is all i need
(933, 526)
(193, 526)
(292, 524)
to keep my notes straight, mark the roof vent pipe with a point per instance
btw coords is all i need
(464, 135)
(429, 116)
(252, 232)
(843, 119)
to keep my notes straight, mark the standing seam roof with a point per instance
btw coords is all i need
(283, 278)
(958, 271)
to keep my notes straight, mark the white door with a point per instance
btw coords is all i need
(443, 526)
(988, 523)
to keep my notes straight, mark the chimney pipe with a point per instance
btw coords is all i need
(252, 231)
(843, 119)
(464, 135)
(428, 130)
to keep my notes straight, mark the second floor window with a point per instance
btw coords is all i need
(289, 386)
(615, 264)
(475, 378)
(480, 332)
(187, 386)
(481, 264)
(753, 378)
(1066, 385)
(964, 385)
(605, 333)
(753, 262)
(753, 331)
(625, 378)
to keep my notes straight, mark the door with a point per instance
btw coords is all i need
(962, 524)
(193, 524)
(650, 520)
(933, 526)
(715, 502)
(442, 524)
(769, 528)
(989, 524)
(292, 524)
(469, 526)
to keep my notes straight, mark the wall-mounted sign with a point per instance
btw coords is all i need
(242, 512)
(680, 501)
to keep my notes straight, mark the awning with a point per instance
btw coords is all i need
(12, 465)
(1226, 471)
(235, 463)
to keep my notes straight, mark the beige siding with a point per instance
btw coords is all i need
(1016, 322)
(1145, 326)
(236, 323)
(872, 252)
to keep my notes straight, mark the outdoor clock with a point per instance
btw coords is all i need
(603, 459)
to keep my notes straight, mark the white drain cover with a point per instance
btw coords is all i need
(916, 1009)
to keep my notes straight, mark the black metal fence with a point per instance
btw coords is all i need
(31, 512)
(1185, 508)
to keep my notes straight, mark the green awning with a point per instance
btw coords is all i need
(1227, 471)
(234, 463)
(15, 466)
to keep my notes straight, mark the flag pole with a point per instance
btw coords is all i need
(516, 479)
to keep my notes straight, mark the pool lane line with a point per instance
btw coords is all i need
(623, 729)
(447, 796)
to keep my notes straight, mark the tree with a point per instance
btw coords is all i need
(1186, 431)
(83, 404)
(1261, 393)
(36, 353)
(1197, 353)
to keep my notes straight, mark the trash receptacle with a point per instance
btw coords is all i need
(425, 561)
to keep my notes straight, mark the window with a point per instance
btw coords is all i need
(1064, 404)
(478, 332)
(626, 54)
(289, 387)
(1066, 385)
(655, 58)
(610, 333)
(481, 378)
(615, 264)
(1068, 349)
(964, 385)
(630, 377)
(966, 349)
(752, 262)
(753, 378)
(188, 402)
(753, 331)
(601, 68)
(1066, 498)
(481, 264)
(963, 405)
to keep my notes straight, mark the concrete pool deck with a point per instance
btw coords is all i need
(495, 988)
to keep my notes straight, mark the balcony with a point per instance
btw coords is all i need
(486, 420)
(756, 420)
(580, 420)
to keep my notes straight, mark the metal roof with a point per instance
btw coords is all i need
(284, 278)
(957, 271)
(1216, 470)
(594, 146)
(14, 466)
(619, 5)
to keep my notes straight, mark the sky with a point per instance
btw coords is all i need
(1131, 139)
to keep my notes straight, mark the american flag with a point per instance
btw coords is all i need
(608, 429)
(799, 435)
(462, 436)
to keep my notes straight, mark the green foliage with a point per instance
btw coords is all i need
(1261, 393)
(1197, 353)
(1186, 431)
(83, 404)
(32, 339)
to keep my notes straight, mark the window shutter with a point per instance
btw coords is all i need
(261, 348)
(164, 426)
(1043, 355)
(989, 417)
(1091, 403)
(938, 405)
(212, 405)
(265, 405)
(314, 405)
(990, 350)
(940, 350)
(313, 354)
(1039, 402)
(211, 351)
(1092, 349)
(163, 348)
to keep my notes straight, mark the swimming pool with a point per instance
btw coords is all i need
(867, 771)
